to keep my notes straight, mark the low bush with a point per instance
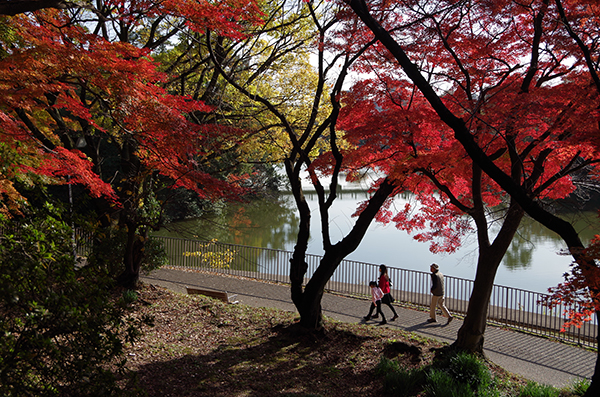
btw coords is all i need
(461, 374)
(61, 329)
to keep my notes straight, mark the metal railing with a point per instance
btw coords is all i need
(511, 307)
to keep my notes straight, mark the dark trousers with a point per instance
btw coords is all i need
(378, 303)
(387, 300)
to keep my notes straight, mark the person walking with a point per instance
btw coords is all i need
(385, 285)
(376, 296)
(437, 295)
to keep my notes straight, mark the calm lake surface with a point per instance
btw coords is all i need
(532, 263)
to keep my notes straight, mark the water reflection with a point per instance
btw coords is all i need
(269, 223)
(531, 262)
(532, 235)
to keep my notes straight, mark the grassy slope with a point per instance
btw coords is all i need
(202, 347)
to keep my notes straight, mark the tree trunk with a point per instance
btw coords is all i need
(129, 218)
(132, 259)
(298, 265)
(311, 316)
(308, 301)
(310, 312)
(470, 335)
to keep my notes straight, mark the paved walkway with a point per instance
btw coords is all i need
(534, 358)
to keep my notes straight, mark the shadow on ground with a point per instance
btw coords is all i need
(289, 363)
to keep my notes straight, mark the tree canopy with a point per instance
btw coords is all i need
(514, 83)
(65, 87)
(85, 103)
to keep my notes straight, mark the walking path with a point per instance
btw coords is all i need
(535, 358)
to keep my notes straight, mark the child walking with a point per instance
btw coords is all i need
(376, 295)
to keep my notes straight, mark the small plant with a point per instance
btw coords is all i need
(462, 375)
(532, 389)
(385, 366)
(580, 386)
(441, 384)
(398, 381)
(468, 369)
(129, 296)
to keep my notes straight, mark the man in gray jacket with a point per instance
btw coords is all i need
(437, 295)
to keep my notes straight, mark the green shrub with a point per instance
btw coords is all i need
(532, 389)
(156, 256)
(441, 384)
(580, 386)
(398, 381)
(61, 334)
(463, 374)
(468, 369)
(403, 382)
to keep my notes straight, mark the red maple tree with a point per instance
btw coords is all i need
(508, 81)
(70, 91)
(546, 73)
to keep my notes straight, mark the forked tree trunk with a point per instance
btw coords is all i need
(308, 299)
(311, 315)
(298, 265)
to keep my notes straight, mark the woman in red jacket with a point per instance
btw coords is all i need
(384, 285)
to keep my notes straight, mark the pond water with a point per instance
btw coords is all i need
(532, 263)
